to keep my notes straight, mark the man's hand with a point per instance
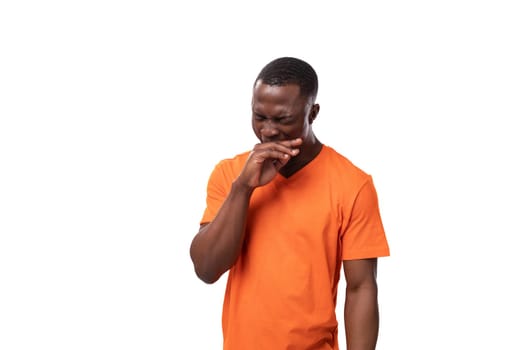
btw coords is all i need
(265, 160)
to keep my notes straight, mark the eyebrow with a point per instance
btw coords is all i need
(277, 117)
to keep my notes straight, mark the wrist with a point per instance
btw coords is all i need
(242, 188)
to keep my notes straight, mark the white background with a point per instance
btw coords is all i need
(113, 113)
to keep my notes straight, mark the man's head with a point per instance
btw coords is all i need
(283, 104)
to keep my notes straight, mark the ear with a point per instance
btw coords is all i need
(313, 113)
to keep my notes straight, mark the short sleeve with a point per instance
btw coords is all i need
(363, 235)
(217, 190)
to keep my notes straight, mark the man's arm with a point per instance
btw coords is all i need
(217, 245)
(361, 311)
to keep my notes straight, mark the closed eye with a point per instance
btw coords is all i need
(280, 120)
(285, 120)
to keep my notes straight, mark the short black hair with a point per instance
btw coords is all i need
(290, 70)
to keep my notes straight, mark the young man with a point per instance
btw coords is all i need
(282, 219)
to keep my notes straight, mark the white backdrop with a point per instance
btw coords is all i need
(113, 113)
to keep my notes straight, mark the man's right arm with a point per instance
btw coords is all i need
(216, 247)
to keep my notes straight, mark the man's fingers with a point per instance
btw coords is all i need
(284, 147)
(295, 142)
(262, 155)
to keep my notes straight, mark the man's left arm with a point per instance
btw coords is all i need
(361, 311)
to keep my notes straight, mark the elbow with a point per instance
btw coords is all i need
(366, 288)
(203, 272)
(205, 266)
(206, 276)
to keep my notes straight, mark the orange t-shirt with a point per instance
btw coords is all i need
(281, 293)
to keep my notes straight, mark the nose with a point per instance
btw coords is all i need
(269, 131)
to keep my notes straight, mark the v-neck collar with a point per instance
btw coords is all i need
(304, 170)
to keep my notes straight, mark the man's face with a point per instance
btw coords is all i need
(280, 112)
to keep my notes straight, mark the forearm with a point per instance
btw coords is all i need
(361, 318)
(216, 247)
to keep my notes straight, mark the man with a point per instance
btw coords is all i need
(282, 219)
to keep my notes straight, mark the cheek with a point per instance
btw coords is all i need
(301, 130)
(292, 133)
(256, 129)
(306, 126)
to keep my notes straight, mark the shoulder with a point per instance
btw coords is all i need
(236, 161)
(341, 166)
(230, 167)
(355, 186)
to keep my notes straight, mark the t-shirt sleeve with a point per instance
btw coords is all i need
(217, 190)
(363, 234)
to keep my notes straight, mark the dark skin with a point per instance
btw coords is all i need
(282, 120)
